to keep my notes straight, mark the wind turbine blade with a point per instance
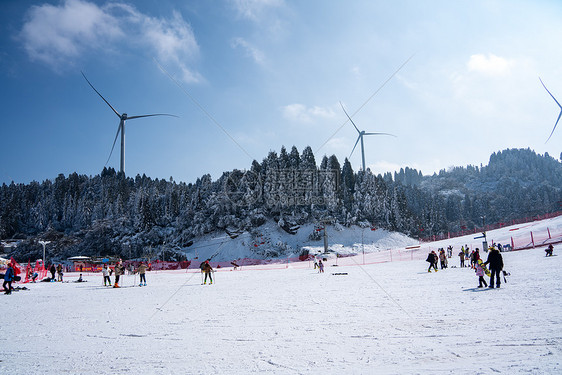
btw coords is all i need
(370, 97)
(550, 93)
(92, 86)
(558, 119)
(350, 118)
(380, 134)
(114, 141)
(554, 126)
(157, 114)
(356, 142)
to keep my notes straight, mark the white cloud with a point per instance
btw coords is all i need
(303, 114)
(254, 9)
(60, 35)
(356, 71)
(256, 54)
(490, 65)
(54, 35)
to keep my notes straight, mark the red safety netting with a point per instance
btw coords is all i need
(531, 239)
(521, 239)
(490, 227)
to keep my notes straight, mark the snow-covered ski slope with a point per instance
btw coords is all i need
(384, 318)
(270, 238)
(378, 245)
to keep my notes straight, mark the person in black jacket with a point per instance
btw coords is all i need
(495, 261)
(432, 259)
(53, 270)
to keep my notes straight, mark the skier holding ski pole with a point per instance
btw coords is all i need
(207, 269)
(142, 272)
(119, 270)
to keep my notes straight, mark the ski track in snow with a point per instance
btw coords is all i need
(388, 318)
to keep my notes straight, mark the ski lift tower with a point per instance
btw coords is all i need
(44, 243)
(326, 221)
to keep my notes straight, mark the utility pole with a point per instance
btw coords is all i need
(363, 243)
(325, 239)
(485, 242)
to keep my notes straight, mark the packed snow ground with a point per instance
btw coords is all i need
(386, 318)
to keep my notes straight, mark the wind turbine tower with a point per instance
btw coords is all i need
(121, 128)
(360, 138)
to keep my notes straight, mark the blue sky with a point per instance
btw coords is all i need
(249, 76)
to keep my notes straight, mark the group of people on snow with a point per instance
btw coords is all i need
(494, 262)
(119, 271)
(318, 264)
(433, 258)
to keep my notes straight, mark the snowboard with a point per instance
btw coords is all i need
(486, 270)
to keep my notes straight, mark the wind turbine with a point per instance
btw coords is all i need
(360, 138)
(558, 119)
(121, 129)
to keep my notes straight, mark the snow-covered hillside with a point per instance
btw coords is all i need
(271, 241)
(387, 318)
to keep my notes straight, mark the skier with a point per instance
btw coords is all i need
(461, 256)
(105, 273)
(207, 269)
(480, 274)
(495, 261)
(142, 272)
(432, 259)
(472, 260)
(443, 258)
(59, 273)
(549, 250)
(119, 270)
(53, 270)
(8, 277)
(320, 266)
